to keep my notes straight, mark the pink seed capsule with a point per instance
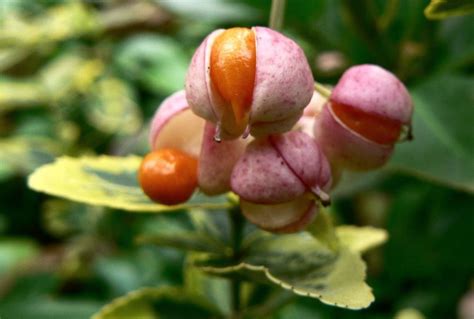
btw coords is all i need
(216, 162)
(287, 217)
(367, 112)
(253, 81)
(281, 176)
(175, 126)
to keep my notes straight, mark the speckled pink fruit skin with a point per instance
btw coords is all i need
(374, 90)
(198, 84)
(283, 84)
(169, 107)
(262, 176)
(345, 148)
(279, 168)
(283, 79)
(216, 162)
(305, 159)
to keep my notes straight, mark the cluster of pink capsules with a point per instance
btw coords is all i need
(250, 121)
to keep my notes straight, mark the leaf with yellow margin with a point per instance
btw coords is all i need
(361, 239)
(151, 303)
(442, 9)
(301, 264)
(107, 181)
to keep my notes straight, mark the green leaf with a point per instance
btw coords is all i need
(107, 181)
(215, 289)
(15, 251)
(48, 308)
(323, 230)
(361, 239)
(443, 147)
(185, 240)
(211, 10)
(157, 62)
(203, 236)
(22, 155)
(61, 22)
(61, 217)
(409, 313)
(298, 262)
(20, 94)
(442, 9)
(164, 303)
(112, 108)
(69, 74)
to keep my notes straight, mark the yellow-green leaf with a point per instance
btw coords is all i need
(22, 155)
(107, 181)
(20, 94)
(112, 108)
(361, 239)
(409, 313)
(323, 230)
(299, 263)
(150, 303)
(441, 9)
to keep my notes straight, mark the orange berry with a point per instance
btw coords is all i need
(168, 176)
(233, 65)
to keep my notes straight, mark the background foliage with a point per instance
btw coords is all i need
(85, 77)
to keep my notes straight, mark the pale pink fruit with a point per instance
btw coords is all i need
(279, 168)
(216, 162)
(175, 126)
(287, 217)
(283, 87)
(367, 112)
(313, 109)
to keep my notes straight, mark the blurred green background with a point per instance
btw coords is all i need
(84, 77)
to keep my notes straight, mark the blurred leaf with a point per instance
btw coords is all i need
(201, 236)
(128, 271)
(409, 313)
(68, 20)
(9, 57)
(443, 146)
(61, 217)
(15, 251)
(299, 263)
(211, 10)
(47, 308)
(112, 107)
(21, 94)
(21, 155)
(107, 181)
(69, 74)
(164, 303)
(213, 224)
(187, 241)
(157, 62)
(361, 239)
(296, 310)
(214, 289)
(442, 9)
(457, 42)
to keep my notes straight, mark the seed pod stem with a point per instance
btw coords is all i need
(323, 197)
(277, 14)
(323, 90)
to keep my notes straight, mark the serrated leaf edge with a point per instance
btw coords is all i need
(282, 283)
